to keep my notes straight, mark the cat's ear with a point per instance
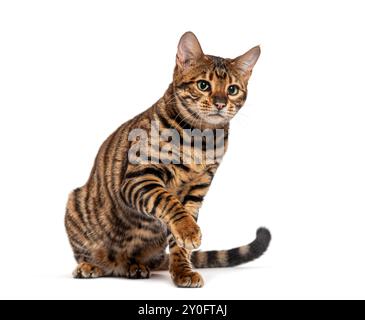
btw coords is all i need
(189, 50)
(247, 61)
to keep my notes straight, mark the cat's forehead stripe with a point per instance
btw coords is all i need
(218, 68)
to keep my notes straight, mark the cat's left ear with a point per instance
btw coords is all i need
(247, 61)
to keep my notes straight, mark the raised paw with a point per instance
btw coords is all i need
(187, 233)
(138, 271)
(188, 279)
(87, 271)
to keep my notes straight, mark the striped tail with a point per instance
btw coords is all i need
(233, 257)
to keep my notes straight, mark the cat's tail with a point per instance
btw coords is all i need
(233, 257)
(228, 258)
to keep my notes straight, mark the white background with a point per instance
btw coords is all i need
(72, 71)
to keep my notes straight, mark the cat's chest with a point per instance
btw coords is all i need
(189, 176)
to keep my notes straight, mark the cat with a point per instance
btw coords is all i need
(128, 212)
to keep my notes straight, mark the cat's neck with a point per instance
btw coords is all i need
(168, 105)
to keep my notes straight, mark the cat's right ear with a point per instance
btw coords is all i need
(189, 51)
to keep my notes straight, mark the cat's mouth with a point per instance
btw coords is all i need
(217, 115)
(216, 118)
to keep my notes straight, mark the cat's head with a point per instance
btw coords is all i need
(210, 89)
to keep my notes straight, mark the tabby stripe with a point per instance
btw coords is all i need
(98, 191)
(118, 222)
(177, 215)
(77, 242)
(183, 102)
(143, 172)
(178, 218)
(233, 256)
(167, 210)
(169, 174)
(134, 187)
(148, 239)
(183, 85)
(180, 122)
(183, 167)
(150, 190)
(184, 264)
(199, 186)
(77, 205)
(77, 226)
(171, 240)
(109, 163)
(149, 186)
(192, 112)
(167, 202)
(124, 191)
(88, 223)
(81, 213)
(151, 205)
(138, 220)
(157, 202)
(105, 229)
(165, 122)
(172, 245)
(128, 190)
(119, 141)
(136, 192)
(193, 199)
(144, 198)
(212, 257)
(211, 174)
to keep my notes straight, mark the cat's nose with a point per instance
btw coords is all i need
(220, 105)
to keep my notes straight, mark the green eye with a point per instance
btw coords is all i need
(203, 85)
(233, 90)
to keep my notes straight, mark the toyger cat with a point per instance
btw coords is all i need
(121, 221)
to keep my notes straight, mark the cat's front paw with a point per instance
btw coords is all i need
(189, 280)
(187, 233)
(138, 271)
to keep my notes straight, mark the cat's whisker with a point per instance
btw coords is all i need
(171, 100)
(189, 116)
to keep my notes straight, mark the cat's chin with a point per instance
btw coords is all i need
(216, 120)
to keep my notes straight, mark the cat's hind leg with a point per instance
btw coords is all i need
(87, 271)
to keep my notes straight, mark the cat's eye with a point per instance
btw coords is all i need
(233, 90)
(203, 85)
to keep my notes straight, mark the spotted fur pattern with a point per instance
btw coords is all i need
(121, 221)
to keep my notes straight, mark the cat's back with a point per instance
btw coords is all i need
(112, 158)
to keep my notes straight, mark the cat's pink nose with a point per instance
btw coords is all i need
(220, 105)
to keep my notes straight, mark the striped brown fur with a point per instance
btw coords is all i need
(121, 221)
